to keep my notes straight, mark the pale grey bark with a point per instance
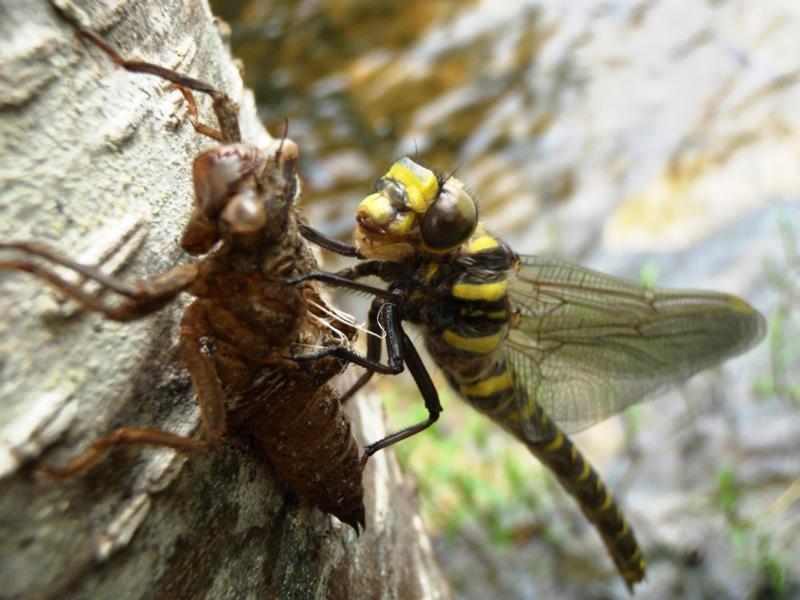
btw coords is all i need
(88, 150)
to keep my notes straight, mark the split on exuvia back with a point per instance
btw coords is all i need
(541, 346)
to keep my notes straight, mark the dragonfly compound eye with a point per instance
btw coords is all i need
(450, 220)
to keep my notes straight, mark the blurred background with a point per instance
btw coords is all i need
(657, 140)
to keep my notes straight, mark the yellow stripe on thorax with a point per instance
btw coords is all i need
(431, 270)
(482, 243)
(488, 387)
(478, 345)
(488, 292)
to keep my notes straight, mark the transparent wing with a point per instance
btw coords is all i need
(586, 345)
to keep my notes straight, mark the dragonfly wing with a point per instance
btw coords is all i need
(585, 345)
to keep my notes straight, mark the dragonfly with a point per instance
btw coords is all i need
(541, 346)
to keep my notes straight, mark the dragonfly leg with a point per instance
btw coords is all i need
(386, 318)
(119, 250)
(429, 395)
(224, 107)
(399, 348)
(197, 356)
(374, 348)
(194, 117)
(197, 351)
(320, 239)
(125, 436)
(342, 279)
(140, 298)
(346, 278)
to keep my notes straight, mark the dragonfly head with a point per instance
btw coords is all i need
(414, 210)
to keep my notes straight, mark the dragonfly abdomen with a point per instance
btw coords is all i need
(495, 395)
(578, 477)
(467, 326)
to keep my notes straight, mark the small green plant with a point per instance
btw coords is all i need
(467, 473)
(755, 548)
(633, 418)
(649, 273)
(784, 331)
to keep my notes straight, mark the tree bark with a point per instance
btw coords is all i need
(88, 152)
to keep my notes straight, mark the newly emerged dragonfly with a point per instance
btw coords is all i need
(541, 346)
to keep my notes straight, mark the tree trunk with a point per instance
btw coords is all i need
(89, 152)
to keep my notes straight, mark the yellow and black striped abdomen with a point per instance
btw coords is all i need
(496, 396)
(467, 316)
(580, 479)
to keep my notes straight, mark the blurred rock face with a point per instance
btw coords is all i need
(669, 120)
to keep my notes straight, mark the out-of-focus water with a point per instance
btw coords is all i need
(663, 133)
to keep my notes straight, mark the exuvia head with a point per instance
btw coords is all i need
(413, 210)
(229, 199)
